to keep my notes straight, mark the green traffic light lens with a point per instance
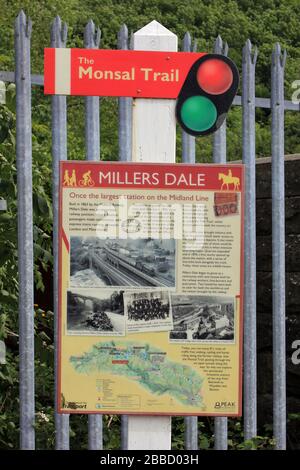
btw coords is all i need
(198, 113)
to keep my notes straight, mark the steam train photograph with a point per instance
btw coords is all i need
(96, 262)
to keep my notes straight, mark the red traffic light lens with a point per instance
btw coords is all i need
(214, 76)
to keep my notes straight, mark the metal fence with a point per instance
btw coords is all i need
(24, 80)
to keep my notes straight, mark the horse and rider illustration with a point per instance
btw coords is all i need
(71, 181)
(229, 179)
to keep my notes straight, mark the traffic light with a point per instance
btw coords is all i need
(207, 94)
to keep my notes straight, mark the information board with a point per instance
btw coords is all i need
(150, 288)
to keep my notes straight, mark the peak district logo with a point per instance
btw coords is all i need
(222, 405)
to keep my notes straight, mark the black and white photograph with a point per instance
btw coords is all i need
(95, 262)
(95, 312)
(199, 318)
(148, 311)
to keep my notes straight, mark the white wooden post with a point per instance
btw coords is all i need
(154, 124)
(153, 140)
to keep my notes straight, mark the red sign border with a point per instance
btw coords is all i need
(62, 238)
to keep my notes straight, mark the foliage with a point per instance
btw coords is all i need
(236, 440)
(263, 21)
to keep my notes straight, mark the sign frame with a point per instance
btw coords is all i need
(63, 239)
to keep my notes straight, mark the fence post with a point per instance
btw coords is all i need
(92, 143)
(188, 141)
(25, 229)
(2, 92)
(125, 108)
(188, 156)
(278, 247)
(125, 134)
(3, 207)
(219, 156)
(59, 152)
(92, 117)
(154, 139)
(249, 155)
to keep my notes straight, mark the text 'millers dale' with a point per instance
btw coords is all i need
(151, 301)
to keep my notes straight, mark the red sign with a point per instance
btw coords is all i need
(137, 74)
(152, 176)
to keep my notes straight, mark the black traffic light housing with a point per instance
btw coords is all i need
(207, 94)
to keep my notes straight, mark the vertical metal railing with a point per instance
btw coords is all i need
(219, 156)
(125, 109)
(188, 141)
(125, 144)
(59, 152)
(278, 247)
(249, 159)
(92, 144)
(189, 156)
(25, 230)
(92, 38)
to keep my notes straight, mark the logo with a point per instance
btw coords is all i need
(70, 180)
(229, 179)
(73, 405)
(219, 405)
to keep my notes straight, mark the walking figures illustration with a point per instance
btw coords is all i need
(66, 179)
(70, 180)
(73, 181)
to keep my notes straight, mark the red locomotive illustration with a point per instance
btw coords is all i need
(225, 203)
